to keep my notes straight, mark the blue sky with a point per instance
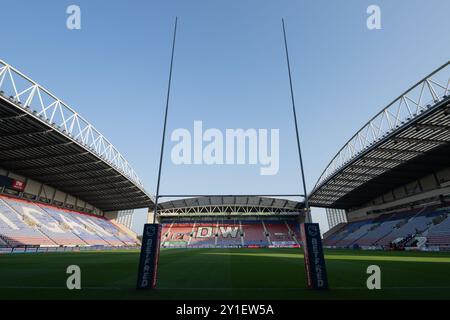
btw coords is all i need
(229, 72)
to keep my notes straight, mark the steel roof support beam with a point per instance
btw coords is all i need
(58, 176)
(75, 181)
(47, 157)
(396, 151)
(88, 183)
(418, 141)
(28, 133)
(17, 117)
(375, 159)
(81, 163)
(113, 197)
(36, 146)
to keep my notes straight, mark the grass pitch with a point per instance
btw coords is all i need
(225, 274)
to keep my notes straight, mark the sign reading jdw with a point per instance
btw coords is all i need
(314, 259)
(148, 262)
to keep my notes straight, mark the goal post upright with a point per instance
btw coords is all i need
(307, 208)
(151, 236)
(155, 211)
(315, 267)
(148, 263)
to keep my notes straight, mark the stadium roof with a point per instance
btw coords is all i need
(233, 201)
(44, 139)
(406, 140)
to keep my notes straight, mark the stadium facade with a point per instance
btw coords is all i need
(62, 183)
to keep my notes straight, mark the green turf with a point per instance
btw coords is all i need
(226, 274)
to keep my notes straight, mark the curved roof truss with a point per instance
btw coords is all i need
(220, 204)
(38, 101)
(410, 126)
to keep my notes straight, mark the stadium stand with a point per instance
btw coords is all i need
(118, 237)
(17, 231)
(431, 222)
(230, 222)
(72, 224)
(63, 185)
(378, 229)
(49, 226)
(355, 232)
(24, 223)
(3, 243)
(165, 231)
(342, 233)
(439, 233)
(409, 224)
(279, 233)
(295, 230)
(254, 233)
(229, 234)
(204, 234)
(391, 179)
(234, 233)
(178, 236)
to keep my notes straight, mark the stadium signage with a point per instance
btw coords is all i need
(148, 262)
(314, 258)
(226, 232)
(12, 183)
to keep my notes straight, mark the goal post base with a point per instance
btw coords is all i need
(148, 261)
